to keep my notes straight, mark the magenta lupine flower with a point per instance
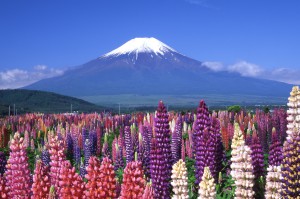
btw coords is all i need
(275, 150)
(148, 192)
(204, 142)
(3, 188)
(17, 173)
(161, 154)
(257, 156)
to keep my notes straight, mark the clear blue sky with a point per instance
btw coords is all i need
(61, 33)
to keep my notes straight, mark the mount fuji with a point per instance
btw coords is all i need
(146, 66)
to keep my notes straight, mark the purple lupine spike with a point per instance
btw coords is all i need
(200, 143)
(82, 170)
(93, 142)
(290, 166)
(128, 145)
(161, 156)
(134, 138)
(143, 156)
(77, 155)
(182, 150)
(219, 148)
(84, 136)
(87, 152)
(248, 137)
(176, 141)
(69, 142)
(45, 157)
(119, 163)
(275, 150)
(257, 156)
(2, 163)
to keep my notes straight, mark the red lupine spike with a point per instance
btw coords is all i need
(133, 181)
(41, 181)
(71, 184)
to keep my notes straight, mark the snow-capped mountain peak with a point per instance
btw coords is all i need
(141, 45)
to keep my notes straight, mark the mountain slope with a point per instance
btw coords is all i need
(39, 101)
(146, 66)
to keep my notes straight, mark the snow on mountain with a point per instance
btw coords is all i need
(146, 66)
(141, 45)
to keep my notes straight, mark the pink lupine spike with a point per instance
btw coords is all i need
(17, 173)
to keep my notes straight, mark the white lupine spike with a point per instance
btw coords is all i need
(179, 180)
(293, 112)
(242, 172)
(273, 182)
(207, 187)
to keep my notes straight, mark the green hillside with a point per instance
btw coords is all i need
(26, 101)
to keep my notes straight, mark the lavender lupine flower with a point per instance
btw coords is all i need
(76, 154)
(290, 166)
(2, 163)
(93, 141)
(128, 145)
(204, 146)
(87, 152)
(45, 157)
(161, 154)
(275, 150)
(182, 150)
(18, 173)
(176, 141)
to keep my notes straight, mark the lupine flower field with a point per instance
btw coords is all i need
(161, 155)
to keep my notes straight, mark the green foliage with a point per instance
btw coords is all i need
(31, 154)
(27, 101)
(225, 188)
(119, 175)
(185, 136)
(266, 109)
(190, 165)
(234, 108)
